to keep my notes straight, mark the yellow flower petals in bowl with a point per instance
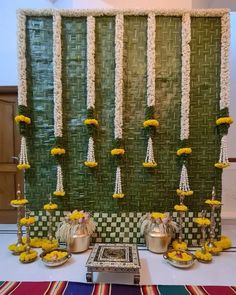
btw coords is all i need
(90, 164)
(16, 249)
(55, 257)
(27, 257)
(50, 206)
(34, 242)
(181, 208)
(27, 221)
(222, 165)
(149, 165)
(23, 166)
(117, 152)
(48, 245)
(19, 202)
(203, 257)
(59, 194)
(179, 258)
(57, 151)
(224, 242)
(118, 196)
(213, 202)
(150, 123)
(91, 122)
(202, 221)
(179, 245)
(182, 151)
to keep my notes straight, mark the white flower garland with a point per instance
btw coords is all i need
(90, 62)
(184, 183)
(22, 75)
(185, 100)
(119, 32)
(58, 123)
(118, 186)
(223, 151)
(23, 158)
(90, 153)
(59, 187)
(150, 155)
(224, 71)
(151, 34)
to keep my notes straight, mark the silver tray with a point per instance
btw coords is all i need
(55, 262)
(180, 264)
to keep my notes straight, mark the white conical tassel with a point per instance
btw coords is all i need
(23, 158)
(59, 189)
(224, 151)
(118, 186)
(184, 183)
(149, 160)
(90, 154)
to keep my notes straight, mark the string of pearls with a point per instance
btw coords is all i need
(23, 159)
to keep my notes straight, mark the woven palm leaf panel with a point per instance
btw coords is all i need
(144, 190)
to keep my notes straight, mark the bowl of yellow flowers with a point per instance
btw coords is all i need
(55, 257)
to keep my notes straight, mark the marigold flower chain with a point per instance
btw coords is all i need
(202, 221)
(22, 119)
(50, 206)
(27, 221)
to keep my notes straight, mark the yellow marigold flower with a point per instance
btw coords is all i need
(118, 196)
(151, 122)
(222, 165)
(15, 248)
(23, 119)
(158, 215)
(216, 249)
(202, 221)
(179, 245)
(224, 242)
(184, 151)
(48, 245)
(50, 206)
(184, 193)
(19, 202)
(90, 164)
(23, 166)
(34, 242)
(149, 165)
(27, 221)
(213, 202)
(224, 120)
(91, 122)
(55, 255)
(57, 151)
(76, 215)
(59, 194)
(116, 152)
(179, 256)
(181, 208)
(28, 256)
(203, 256)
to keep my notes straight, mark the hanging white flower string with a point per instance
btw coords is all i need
(91, 162)
(59, 187)
(118, 120)
(149, 160)
(23, 158)
(223, 159)
(118, 186)
(58, 112)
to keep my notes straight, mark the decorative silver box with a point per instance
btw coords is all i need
(122, 258)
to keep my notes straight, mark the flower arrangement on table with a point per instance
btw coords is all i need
(203, 256)
(48, 245)
(55, 255)
(29, 256)
(74, 221)
(34, 242)
(163, 220)
(179, 256)
(16, 248)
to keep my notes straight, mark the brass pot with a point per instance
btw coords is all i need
(79, 242)
(157, 241)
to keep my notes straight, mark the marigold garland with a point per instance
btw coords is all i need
(213, 202)
(181, 208)
(158, 215)
(117, 152)
(59, 193)
(203, 256)
(182, 151)
(151, 122)
(22, 119)
(149, 165)
(202, 221)
(184, 193)
(19, 202)
(23, 166)
(118, 196)
(57, 151)
(91, 164)
(50, 206)
(177, 245)
(27, 221)
(222, 165)
(224, 120)
(91, 122)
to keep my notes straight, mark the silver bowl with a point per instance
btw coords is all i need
(180, 264)
(56, 262)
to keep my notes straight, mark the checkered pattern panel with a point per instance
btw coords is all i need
(122, 227)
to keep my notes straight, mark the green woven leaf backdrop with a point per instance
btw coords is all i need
(144, 190)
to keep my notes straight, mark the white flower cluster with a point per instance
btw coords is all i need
(90, 153)
(90, 62)
(150, 156)
(151, 37)
(119, 32)
(59, 187)
(185, 101)
(224, 151)
(184, 183)
(22, 79)
(224, 71)
(118, 185)
(57, 64)
(23, 159)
